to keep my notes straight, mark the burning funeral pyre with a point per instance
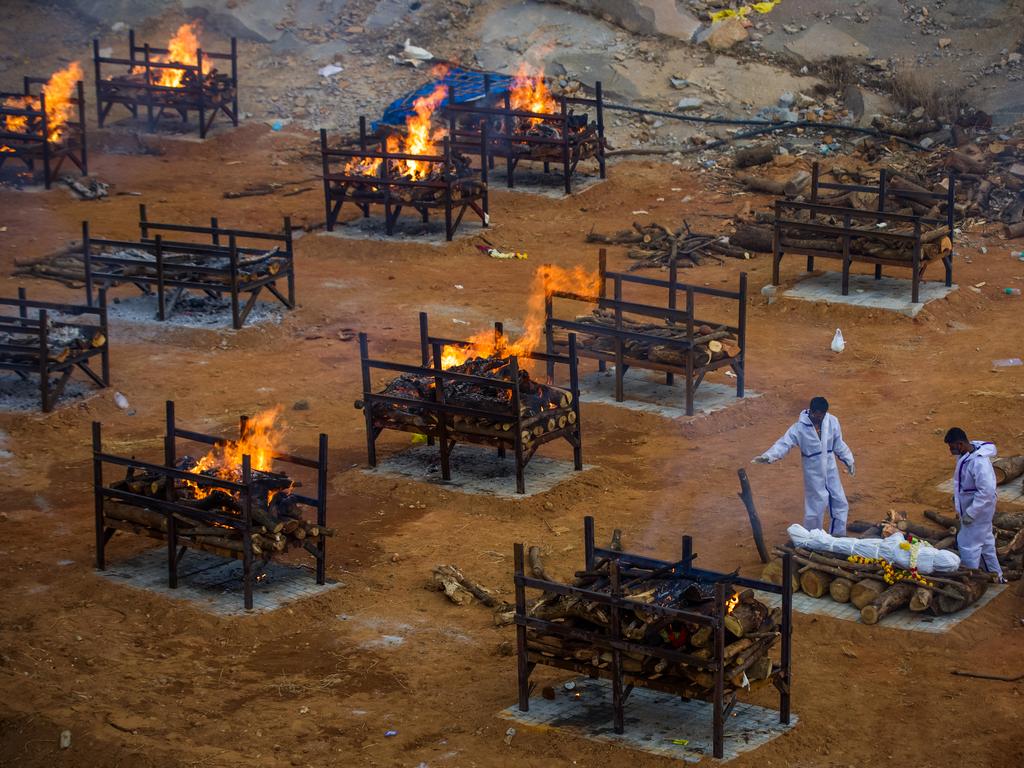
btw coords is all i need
(542, 408)
(415, 167)
(46, 127)
(530, 123)
(179, 78)
(270, 497)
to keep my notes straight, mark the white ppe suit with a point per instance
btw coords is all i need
(822, 488)
(974, 496)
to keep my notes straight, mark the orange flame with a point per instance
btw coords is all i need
(546, 280)
(182, 49)
(732, 602)
(530, 93)
(421, 138)
(59, 90)
(259, 440)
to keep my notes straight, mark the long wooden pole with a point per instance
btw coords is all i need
(755, 522)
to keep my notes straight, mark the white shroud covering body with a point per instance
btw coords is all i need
(929, 559)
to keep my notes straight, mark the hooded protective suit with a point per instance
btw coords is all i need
(822, 488)
(974, 496)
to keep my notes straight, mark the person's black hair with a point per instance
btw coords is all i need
(819, 404)
(955, 435)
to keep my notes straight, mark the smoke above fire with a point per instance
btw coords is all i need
(547, 279)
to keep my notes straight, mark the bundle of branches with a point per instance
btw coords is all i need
(658, 246)
(708, 344)
(22, 343)
(276, 514)
(543, 408)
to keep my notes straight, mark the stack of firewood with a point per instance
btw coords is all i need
(751, 630)
(990, 178)
(654, 245)
(543, 408)
(67, 265)
(215, 84)
(62, 342)
(709, 344)
(276, 515)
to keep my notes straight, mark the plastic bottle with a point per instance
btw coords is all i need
(1019, 255)
(1011, 291)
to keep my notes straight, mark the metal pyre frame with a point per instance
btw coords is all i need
(235, 540)
(624, 567)
(33, 144)
(34, 330)
(233, 262)
(561, 137)
(794, 234)
(682, 317)
(447, 424)
(450, 192)
(135, 88)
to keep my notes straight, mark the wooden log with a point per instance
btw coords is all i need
(865, 591)
(450, 579)
(815, 583)
(756, 155)
(1008, 521)
(745, 618)
(752, 238)
(747, 496)
(772, 573)
(536, 566)
(1008, 468)
(839, 589)
(1015, 546)
(944, 520)
(921, 599)
(893, 598)
(969, 591)
(702, 637)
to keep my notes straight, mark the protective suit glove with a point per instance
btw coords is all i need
(762, 459)
(852, 469)
(966, 519)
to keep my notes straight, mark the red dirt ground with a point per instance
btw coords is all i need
(144, 681)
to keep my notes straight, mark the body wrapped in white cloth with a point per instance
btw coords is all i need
(929, 559)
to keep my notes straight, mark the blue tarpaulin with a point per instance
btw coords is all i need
(466, 86)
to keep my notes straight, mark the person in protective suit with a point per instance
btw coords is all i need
(820, 439)
(974, 497)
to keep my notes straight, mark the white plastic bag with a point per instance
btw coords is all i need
(838, 344)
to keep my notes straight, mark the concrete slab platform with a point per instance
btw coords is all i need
(408, 229)
(653, 721)
(192, 312)
(888, 294)
(536, 182)
(477, 470)
(1011, 493)
(646, 391)
(905, 620)
(214, 584)
(21, 396)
